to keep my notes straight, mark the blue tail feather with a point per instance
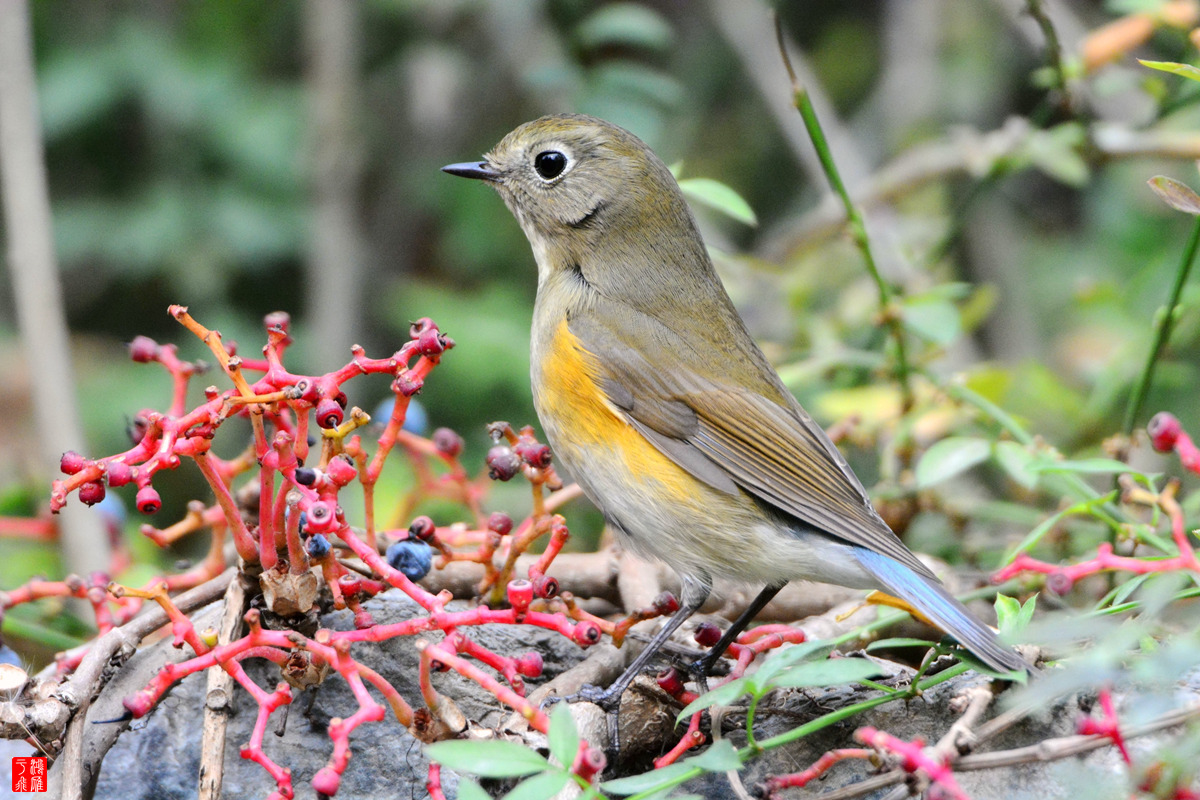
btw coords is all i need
(941, 607)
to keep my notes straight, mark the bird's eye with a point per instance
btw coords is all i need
(549, 164)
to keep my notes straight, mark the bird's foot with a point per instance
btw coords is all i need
(609, 700)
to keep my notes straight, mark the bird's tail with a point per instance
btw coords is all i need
(940, 607)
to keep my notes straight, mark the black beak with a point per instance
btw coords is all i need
(472, 169)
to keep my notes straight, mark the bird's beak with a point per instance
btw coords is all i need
(472, 169)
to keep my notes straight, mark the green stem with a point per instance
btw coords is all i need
(1164, 331)
(854, 219)
(807, 729)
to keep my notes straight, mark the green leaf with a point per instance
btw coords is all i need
(1178, 196)
(830, 672)
(950, 457)
(721, 696)
(625, 25)
(718, 197)
(647, 781)
(1011, 616)
(1173, 67)
(563, 736)
(934, 319)
(540, 787)
(1090, 466)
(1015, 459)
(489, 758)
(1037, 533)
(1056, 152)
(721, 757)
(786, 657)
(470, 790)
(898, 641)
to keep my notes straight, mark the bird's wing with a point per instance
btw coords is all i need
(727, 434)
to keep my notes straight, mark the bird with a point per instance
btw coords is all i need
(655, 397)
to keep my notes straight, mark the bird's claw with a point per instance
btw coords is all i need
(607, 699)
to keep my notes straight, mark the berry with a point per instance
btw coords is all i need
(586, 633)
(447, 442)
(118, 473)
(530, 665)
(1164, 430)
(520, 595)
(545, 587)
(143, 349)
(431, 342)
(148, 501)
(318, 546)
(407, 384)
(422, 528)
(670, 680)
(707, 634)
(536, 455)
(320, 517)
(329, 413)
(341, 470)
(72, 462)
(410, 557)
(278, 319)
(500, 523)
(1059, 583)
(665, 604)
(503, 463)
(306, 476)
(91, 493)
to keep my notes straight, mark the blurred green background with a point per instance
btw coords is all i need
(188, 163)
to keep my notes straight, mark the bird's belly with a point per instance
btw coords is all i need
(661, 510)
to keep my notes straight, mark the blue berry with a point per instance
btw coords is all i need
(416, 420)
(318, 546)
(411, 557)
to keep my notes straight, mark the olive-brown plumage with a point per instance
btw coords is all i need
(657, 400)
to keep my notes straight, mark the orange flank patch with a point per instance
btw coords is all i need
(592, 428)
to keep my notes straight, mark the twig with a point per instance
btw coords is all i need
(70, 771)
(218, 698)
(854, 219)
(1053, 50)
(1163, 334)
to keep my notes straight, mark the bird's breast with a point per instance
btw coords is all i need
(590, 436)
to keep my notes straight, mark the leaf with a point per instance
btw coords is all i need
(488, 758)
(647, 781)
(1173, 67)
(1178, 196)
(563, 736)
(1056, 152)
(470, 790)
(721, 696)
(830, 672)
(898, 641)
(1037, 533)
(950, 457)
(625, 25)
(721, 757)
(540, 787)
(1015, 459)
(1089, 466)
(786, 657)
(933, 319)
(718, 197)
(1011, 616)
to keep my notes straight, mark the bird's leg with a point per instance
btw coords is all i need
(695, 592)
(701, 667)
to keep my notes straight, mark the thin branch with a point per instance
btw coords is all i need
(1163, 333)
(854, 218)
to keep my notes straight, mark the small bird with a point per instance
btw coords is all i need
(658, 402)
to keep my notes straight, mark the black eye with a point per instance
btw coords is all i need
(550, 164)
